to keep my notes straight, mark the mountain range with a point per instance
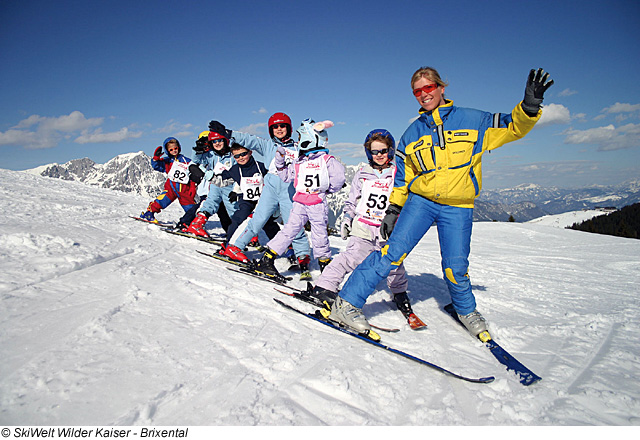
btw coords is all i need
(132, 172)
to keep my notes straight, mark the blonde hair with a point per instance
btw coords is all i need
(429, 73)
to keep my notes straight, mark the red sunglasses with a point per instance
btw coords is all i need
(426, 89)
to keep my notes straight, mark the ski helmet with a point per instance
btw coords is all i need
(171, 139)
(214, 136)
(313, 135)
(382, 133)
(280, 118)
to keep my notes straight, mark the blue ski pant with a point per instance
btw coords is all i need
(417, 216)
(275, 194)
(217, 196)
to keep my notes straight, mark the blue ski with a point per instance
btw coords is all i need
(527, 377)
(332, 325)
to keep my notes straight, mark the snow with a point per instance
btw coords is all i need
(109, 321)
(568, 218)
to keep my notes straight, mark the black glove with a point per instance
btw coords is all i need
(537, 84)
(202, 145)
(217, 127)
(389, 221)
(195, 173)
(233, 197)
(157, 153)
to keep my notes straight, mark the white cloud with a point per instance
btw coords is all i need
(261, 111)
(37, 132)
(567, 92)
(98, 137)
(554, 114)
(619, 107)
(607, 138)
(254, 129)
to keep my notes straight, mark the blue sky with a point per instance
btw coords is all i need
(101, 78)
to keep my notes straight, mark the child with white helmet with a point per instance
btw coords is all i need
(315, 173)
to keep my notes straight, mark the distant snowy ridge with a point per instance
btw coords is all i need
(130, 172)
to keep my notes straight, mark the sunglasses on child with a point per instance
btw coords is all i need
(426, 89)
(376, 152)
(279, 126)
(239, 155)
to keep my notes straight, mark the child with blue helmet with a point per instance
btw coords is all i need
(178, 185)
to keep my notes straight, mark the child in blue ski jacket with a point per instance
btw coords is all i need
(214, 162)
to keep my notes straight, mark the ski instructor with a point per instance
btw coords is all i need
(438, 178)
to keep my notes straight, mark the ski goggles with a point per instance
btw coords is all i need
(426, 89)
(376, 152)
(239, 155)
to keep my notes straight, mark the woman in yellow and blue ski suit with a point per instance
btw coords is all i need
(438, 177)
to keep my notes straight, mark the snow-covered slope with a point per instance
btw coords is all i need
(569, 218)
(108, 321)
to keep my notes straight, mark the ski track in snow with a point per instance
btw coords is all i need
(108, 321)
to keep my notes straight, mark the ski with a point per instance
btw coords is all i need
(157, 222)
(211, 240)
(412, 319)
(334, 326)
(527, 377)
(246, 270)
(297, 294)
(219, 257)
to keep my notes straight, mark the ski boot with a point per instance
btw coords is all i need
(148, 216)
(255, 243)
(291, 256)
(323, 262)
(303, 265)
(345, 313)
(197, 226)
(233, 253)
(266, 265)
(476, 325)
(402, 303)
(325, 296)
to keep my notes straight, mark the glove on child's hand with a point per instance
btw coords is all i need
(157, 153)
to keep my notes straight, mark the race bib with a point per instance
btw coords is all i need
(251, 187)
(221, 166)
(179, 172)
(374, 200)
(313, 176)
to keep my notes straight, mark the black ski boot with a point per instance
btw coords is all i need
(402, 302)
(266, 264)
(325, 296)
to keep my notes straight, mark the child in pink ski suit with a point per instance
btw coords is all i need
(362, 215)
(315, 173)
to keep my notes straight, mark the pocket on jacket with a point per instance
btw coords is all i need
(460, 144)
(421, 154)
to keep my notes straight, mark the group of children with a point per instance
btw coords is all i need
(292, 183)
